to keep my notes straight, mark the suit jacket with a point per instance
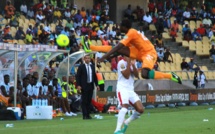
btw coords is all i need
(81, 78)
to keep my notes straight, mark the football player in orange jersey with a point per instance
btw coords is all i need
(137, 46)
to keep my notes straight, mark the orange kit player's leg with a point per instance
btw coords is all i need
(148, 60)
(104, 49)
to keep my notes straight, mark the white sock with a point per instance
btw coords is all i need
(121, 118)
(134, 116)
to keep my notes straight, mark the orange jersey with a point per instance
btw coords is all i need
(139, 41)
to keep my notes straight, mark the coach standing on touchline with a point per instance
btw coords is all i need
(86, 78)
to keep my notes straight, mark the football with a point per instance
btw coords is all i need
(62, 40)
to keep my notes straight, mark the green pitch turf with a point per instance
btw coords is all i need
(182, 120)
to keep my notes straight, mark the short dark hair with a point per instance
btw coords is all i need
(6, 75)
(55, 79)
(126, 23)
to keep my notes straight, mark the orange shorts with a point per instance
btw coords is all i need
(148, 58)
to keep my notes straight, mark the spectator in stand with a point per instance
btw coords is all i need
(151, 7)
(184, 65)
(160, 26)
(84, 30)
(84, 21)
(114, 65)
(201, 30)
(30, 13)
(23, 8)
(147, 18)
(192, 64)
(78, 16)
(83, 12)
(167, 54)
(112, 43)
(7, 34)
(40, 30)
(106, 7)
(78, 31)
(59, 27)
(174, 11)
(57, 14)
(69, 24)
(160, 6)
(104, 40)
(187, 14)
(188, 35)
(209, 33)
(173, 34)
(128, 13)
(179, 15)
(29, 38)
(38, 5)
(77, 23)
(194, 14)
(160, 55)
(213, 10)
(51, 42)
(39, 17)
(185, 28)
(20, 34)
(74, 11)
(93, 34)
(65, 31)
(159, 41)
(112, 32)
(175, 26)
(196, 36)
(100, 32)
(9, 10)
(207, 21)
(44, 37)
(212, 39)
(67, 14)
(48, 12)
(212, 18)
(212, 52)
(103, 18)
(154, 19)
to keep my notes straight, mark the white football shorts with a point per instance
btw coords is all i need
(126, 96)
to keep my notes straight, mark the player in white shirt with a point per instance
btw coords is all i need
(5, 86)
(44, 87)
(126, 95)
(202, 79)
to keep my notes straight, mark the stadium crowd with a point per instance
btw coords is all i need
(43, 22)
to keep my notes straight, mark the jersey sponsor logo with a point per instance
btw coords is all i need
(122, 66)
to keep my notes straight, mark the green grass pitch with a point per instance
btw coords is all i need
(182, 120)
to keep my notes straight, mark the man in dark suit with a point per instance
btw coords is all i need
(86, 78)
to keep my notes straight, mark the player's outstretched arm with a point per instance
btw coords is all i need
(112, 51)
